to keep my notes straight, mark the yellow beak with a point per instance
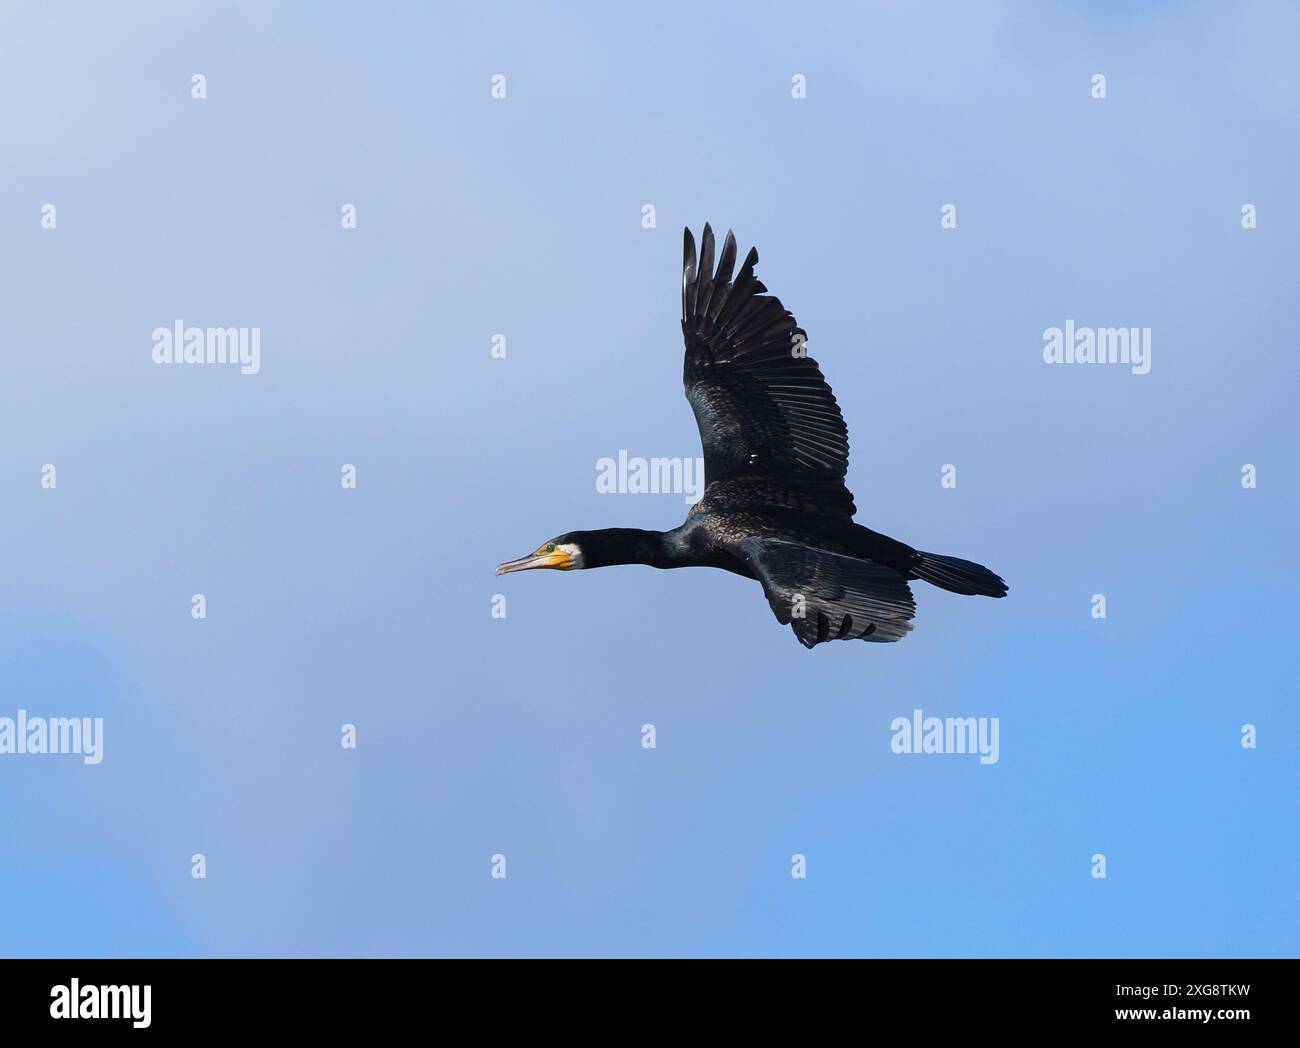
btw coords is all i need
(555, 559)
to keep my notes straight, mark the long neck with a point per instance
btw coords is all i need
(628, 546)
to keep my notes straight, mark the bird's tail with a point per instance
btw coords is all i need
(958, 576)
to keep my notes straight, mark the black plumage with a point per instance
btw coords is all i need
(776, 450)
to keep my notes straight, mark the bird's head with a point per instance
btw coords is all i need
(562, 553)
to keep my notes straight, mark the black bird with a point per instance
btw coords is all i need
(776, 449)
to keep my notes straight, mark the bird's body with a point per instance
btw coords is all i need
(775, 507)
(712, 538)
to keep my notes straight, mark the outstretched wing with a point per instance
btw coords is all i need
(826, 596)
(763, 408)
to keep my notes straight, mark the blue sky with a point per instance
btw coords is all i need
(521, 736)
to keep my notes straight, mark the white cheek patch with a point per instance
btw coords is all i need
(575, 554)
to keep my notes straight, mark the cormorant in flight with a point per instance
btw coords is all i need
(776, 449)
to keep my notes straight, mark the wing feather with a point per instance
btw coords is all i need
(763, 407)
(828, 596)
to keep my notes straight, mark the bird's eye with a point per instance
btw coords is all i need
(549, 548)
